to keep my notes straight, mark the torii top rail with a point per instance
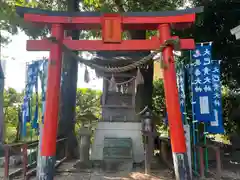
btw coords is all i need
(111, 40)
(112, 26)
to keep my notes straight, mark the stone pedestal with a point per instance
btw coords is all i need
(84, 147)
(118, 130)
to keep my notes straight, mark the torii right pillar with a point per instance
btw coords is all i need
(178, 142)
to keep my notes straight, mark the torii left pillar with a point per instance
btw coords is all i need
(48, 144)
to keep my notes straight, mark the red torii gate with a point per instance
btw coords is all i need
(112, 26)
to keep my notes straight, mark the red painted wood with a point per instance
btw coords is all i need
(112, 28)
(52, 94)
(171, 93)
(98, 45)
(159, 20)
(94, 22)
(98, 26)
(40, 18)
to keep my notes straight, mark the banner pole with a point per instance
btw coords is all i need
(206, 150)
(193, 119)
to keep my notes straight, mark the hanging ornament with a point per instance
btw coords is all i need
(118, 88)
(121, 89)
(112, 85)
(86, 75)
(139, 77)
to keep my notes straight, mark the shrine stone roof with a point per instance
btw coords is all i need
(236, 31)
(118, 58)
(21, 10)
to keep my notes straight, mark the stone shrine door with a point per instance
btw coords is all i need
(118, 105)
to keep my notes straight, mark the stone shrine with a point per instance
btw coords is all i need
(118, 134)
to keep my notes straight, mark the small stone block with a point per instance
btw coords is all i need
(118, 165)
(84, 164)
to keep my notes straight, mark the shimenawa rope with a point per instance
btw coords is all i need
(144, 60)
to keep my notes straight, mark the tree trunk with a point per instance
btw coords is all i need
(66, 127)
(2, 123)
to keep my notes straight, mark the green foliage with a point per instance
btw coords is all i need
(6, 20)
(87, 111)
(87, 107)
(12, 101)
(10, 22)
(159, 106)
(219, 17)
(132, 5)
(231, 116)
(158, 98)
(230, 102)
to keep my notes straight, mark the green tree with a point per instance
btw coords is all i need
(12, 23)
(219, 17)
(87, 108)
(12, 101)
(66, 126)
(158, 98)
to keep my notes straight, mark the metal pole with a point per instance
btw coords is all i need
(219, 164)
(193, 122)
(178, 142)
(202, 167)
(206, 150)
(147, 164)
(6, 163)
(148, 132)
(25, 160)
(48, 144)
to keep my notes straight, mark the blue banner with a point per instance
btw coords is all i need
(216, 125)
(43, 78)
(28, 116)
(181, 85)
(202, 83)
(31, 82)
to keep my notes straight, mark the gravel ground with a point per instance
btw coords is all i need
(67, 172)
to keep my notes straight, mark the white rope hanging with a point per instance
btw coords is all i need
(121, 83)
(112, 82)
(139, 77)
(112, 85)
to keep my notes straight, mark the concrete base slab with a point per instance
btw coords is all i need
(118, 130)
